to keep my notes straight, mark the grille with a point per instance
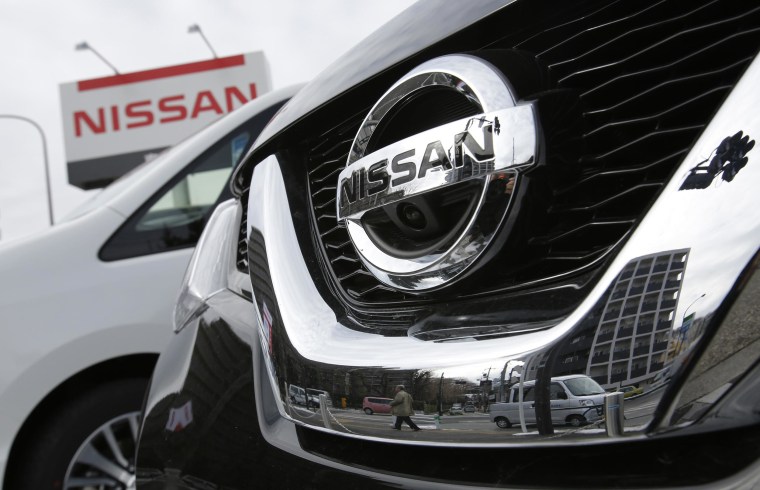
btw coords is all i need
(648, 77)
(241, 260)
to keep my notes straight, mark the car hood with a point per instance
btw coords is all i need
(397, 40)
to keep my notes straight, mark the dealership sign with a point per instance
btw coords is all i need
(113, 124)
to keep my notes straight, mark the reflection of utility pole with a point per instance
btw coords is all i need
(692, 304)
(520, 393)
(682, 333)
(486, 389)
(501, 382)
(506, 379)
(440, 396)
(44, 156)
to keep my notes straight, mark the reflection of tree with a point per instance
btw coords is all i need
(729, 157)
(429, 388)
(420, 382)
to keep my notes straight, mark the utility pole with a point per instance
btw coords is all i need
(44, 156)
(83, 46)
(197, 28)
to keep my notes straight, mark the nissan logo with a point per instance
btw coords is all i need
(420, 208)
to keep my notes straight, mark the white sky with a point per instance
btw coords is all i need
(37, 38)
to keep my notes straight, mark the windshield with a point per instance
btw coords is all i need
(583, 386)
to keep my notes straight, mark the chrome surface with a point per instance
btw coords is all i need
(707, 255)
(474, 78)
(514, 148)
(493, 146)
(209, 271)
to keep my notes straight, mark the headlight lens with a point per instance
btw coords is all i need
(209, 268)
(587, 403)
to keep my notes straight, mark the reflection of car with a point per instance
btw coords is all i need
(469, 407)
(574, 400)
(314, 395)
(629, 391)
(86, 307)
(456, 409)
(385, 246)
(373, 404)
(298, 395)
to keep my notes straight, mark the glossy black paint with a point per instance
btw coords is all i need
(210, 365)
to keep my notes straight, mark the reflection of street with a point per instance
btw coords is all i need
(473, 427)
(452, 428)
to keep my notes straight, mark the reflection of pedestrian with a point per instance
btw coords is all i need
(402, 408)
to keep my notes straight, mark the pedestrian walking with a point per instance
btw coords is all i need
(401, 407)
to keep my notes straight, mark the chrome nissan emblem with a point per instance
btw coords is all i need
(420, 208)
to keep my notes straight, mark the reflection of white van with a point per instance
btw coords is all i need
(574, 399)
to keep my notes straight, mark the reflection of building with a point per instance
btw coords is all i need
(625, 338)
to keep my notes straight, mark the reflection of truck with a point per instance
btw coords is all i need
(574, 400)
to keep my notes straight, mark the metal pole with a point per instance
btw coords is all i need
(692, 304)
(614, 413)
(323, 409)
(104, 60)
(84, 45)
(197, 28)
(44, 155)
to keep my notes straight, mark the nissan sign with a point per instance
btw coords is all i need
(113, 124)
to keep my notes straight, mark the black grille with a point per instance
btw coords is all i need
(326, 160)
(241, 260)
(647, 78)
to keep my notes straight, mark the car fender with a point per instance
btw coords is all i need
(41, 378)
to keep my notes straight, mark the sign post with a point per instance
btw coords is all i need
(112, 124)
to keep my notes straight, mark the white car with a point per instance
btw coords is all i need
(86, 306)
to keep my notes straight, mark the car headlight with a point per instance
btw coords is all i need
(587, 403)
(209, 268)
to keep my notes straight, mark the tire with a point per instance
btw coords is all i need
(503, 422)
(576, 420)
(68, 447)
(368, 411)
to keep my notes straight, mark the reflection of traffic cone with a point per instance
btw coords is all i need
(437, 419)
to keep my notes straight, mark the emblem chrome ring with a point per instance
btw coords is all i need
(491, 147)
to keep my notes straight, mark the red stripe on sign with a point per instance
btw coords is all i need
(168, 71)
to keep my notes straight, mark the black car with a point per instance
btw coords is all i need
(478, 196)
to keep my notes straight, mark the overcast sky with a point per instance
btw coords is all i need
(37, 38)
